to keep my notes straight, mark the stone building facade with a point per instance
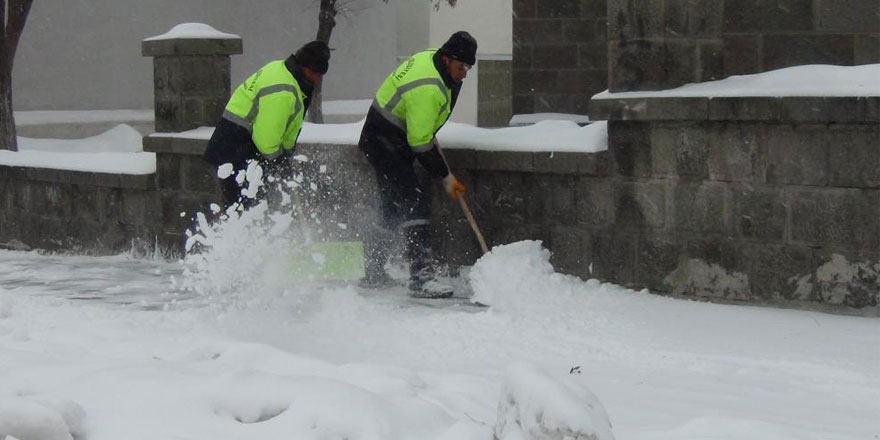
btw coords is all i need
(559, 55)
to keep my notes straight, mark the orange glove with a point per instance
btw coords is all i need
(453, 187)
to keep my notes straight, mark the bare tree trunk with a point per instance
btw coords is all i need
(326, 23)
(7, 120)
(12, 20)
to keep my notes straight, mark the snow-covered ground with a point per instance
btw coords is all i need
(114, 347)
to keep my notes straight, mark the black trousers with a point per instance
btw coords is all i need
(232, 144)
(405, 202)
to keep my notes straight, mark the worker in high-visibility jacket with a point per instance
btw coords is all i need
(257, 132)
(411, 105)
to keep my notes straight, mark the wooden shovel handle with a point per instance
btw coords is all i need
(472, 222)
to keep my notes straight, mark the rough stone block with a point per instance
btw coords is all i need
(508, 201)
(191, 46)
(594, 8)
(635, 20)
(460, 158)
(141, 208)
(695, 18)
(640, 205)
(614, 256)
(169, 172)
(559, 9)
(593, 56)
(767, 16)
(531, 32)
(744, 108)
(737, 153)
(676, 109)
(797, 155)
(198, 175)
(790, 50)
(741, 54)
(58, 200)
(827, 109)
(759, 213)
(848, 16)
(776, 271)
(562, 56)
(701, 208)
(657, 257)
(629, 144)
(594, 201)
(787, 15)
(552, 198)
(504, 161)
(716, 249)
(836, 217)
(651, 64)
(847, 278)
(867, 49)
(571, 250)
(522, 57)
(680, 150)
(567, 163)
(579, 31)
(710, 63)
(204, 74)
(854, 156)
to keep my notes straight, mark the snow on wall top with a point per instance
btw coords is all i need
(806, 80)
(192, 30)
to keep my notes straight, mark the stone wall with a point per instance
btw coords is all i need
(559, 55)
(655, 45)
(76, 211)
(748, 199)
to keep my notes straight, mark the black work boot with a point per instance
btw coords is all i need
(376, 250)
(428, 285)
(423, 281)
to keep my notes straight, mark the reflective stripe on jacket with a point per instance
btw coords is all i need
(415, 99)
(269, 104)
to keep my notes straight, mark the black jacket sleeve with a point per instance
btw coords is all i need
(434, 162)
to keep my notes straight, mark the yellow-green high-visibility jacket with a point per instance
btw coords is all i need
(415, 98)
(269, 104)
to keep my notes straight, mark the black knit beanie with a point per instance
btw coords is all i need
(461, 46)
(315, 55)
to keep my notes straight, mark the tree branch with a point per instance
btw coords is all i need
(18, 12)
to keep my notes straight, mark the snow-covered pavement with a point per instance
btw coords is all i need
(110, 348)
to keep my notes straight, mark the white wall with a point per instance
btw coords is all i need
(86, 54)
(491, 23)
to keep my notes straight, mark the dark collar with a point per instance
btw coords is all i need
(441, 68)
(304, 84)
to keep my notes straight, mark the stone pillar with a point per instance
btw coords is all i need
(191, 75)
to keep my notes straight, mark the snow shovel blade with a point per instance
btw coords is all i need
(332, 260)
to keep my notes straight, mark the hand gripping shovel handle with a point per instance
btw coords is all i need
(472, 222)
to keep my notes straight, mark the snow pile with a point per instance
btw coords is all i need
(118, 150)
(538, 405)
(545, 136)
(518, 277)
(30, 419)
(119, 139)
